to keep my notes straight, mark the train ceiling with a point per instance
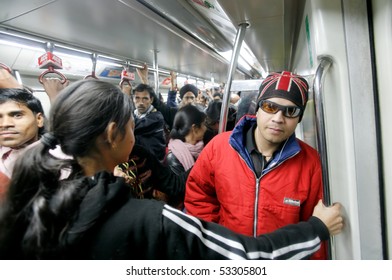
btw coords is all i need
(190, 36)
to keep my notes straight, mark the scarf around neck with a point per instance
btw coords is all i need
(185, 153)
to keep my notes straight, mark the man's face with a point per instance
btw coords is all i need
(275, 128)
(18, 125)
(142, 101)
(188, 98)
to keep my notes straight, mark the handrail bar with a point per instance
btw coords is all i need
(325, 63)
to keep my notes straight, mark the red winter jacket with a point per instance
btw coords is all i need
(222, 186)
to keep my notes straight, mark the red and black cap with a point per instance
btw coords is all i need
(284, 85)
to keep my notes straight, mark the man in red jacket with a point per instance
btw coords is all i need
(260, 177)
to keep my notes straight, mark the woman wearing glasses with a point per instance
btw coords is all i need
(260, 177)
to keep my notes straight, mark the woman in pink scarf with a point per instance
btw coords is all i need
(186, 142)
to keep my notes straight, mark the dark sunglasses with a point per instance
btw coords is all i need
(272, 108)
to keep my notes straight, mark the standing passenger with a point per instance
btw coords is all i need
(21, 125)
(235, 99)
(217, 96)
(188, 95)
(186, 143)
(202, 101)
(260, 177)
(149, 123)
(91, 214)
(213, 112)
(21, 121)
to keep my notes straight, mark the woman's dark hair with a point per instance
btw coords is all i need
(23, 97)
(38, 206)
(82, 112)
(184, 119)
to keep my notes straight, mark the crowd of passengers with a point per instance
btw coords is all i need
(71, 183)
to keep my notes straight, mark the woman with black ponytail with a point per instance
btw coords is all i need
(92, 214)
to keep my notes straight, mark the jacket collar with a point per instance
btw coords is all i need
(105, 192)
(237, 140)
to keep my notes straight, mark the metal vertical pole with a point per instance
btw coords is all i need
(156, 71)
(325, 63)
(233, 65)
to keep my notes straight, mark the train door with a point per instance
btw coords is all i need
(382, 25)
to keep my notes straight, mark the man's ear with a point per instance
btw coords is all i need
(40, 119)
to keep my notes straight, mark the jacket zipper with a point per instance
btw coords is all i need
(269, 169)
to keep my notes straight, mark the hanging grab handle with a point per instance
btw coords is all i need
(127, 76)
(63, 79)
(50, 62)
(94, 57)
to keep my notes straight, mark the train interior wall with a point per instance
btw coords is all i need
(333, 29)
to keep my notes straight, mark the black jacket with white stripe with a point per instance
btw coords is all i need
(111, 225)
